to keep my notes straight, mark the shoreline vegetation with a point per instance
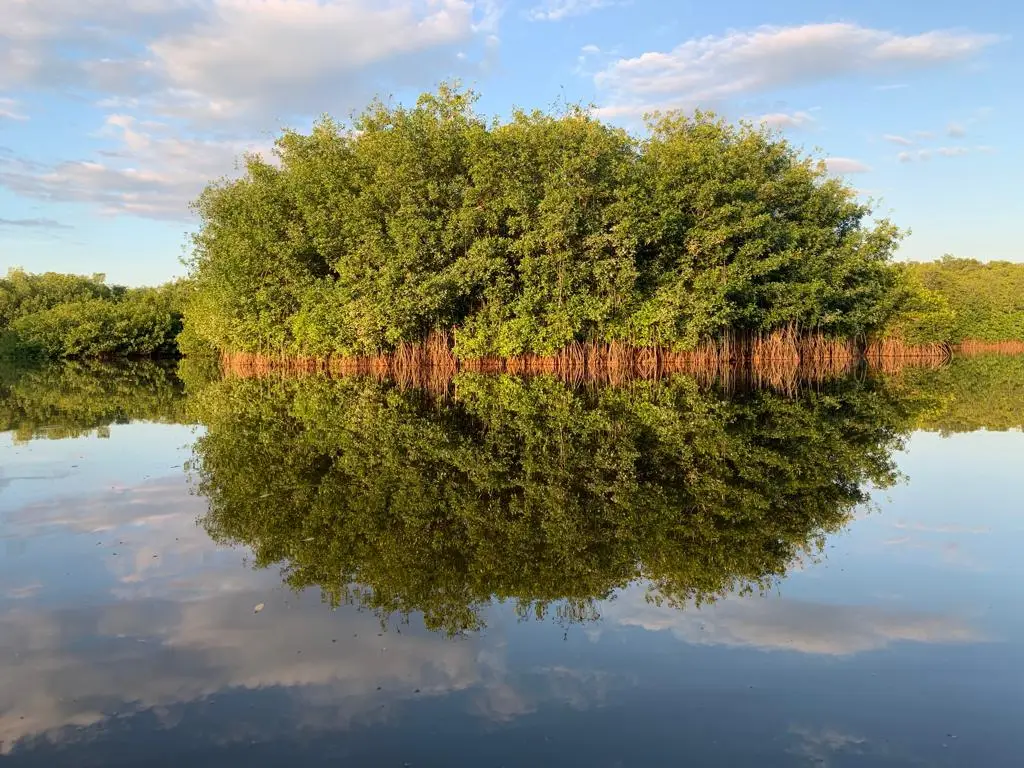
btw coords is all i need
(531, 236)
(429, 236)
(68, 398)
(780, 359)
(59, 316)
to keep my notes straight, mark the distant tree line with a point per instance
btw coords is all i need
(55, 315)
(962, 299)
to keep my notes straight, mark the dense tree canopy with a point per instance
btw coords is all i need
(22, 293)
(71, 316)
(969, 299)
(529, 234)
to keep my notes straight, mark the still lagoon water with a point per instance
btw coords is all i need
(516, 572)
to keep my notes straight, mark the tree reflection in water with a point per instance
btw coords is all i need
(534, 491)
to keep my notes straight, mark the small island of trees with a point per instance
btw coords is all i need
(529, 235)
(521, 237)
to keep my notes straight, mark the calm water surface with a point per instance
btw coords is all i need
(521, 573)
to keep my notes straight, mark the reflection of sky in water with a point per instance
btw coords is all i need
(38, 470)
(902, 646)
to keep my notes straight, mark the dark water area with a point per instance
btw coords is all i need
(518, 572)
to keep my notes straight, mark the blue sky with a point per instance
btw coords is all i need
(114, 113)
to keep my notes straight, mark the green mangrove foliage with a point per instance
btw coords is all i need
(529, 234)
(531, 490)
(970, 299)
(69, 399)
(54, 315)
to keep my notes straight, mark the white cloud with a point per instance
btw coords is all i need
(166, 632)
(956, 131)
(299, 56)
(242, 58)
(150, 172)
(488, 13)
(177, 652)
(786, 120)
(24, 592)
(820, 745)
(214, 76)
(901, 140)
(712, 69)
(775, 624)
(56, 44)
(37, 223)
(556, 10)
(8, 111)
(910, 155)
(927, 154)
(845, 165)
(587, 54)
